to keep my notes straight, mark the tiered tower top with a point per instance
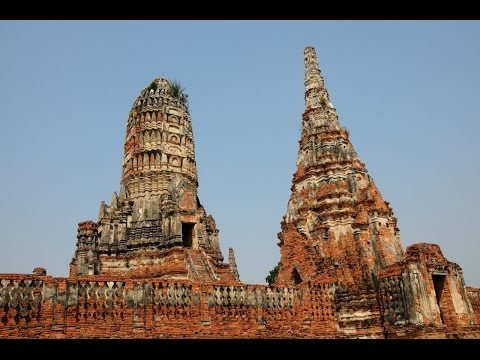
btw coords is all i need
(337, 226)
(159, 139)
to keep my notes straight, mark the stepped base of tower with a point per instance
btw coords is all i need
(176, 263)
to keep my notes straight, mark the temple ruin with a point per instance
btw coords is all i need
(151, 265)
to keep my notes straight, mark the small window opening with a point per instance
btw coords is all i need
(187, 234)
(438, 284)
(297, 279)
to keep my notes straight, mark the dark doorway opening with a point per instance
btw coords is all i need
(297, 279)
(438, 284)
(187, 234)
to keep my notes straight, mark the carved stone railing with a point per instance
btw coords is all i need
(34, 306)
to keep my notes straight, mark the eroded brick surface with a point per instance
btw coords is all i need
(35, 306)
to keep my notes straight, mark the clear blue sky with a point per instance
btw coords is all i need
(408, 91)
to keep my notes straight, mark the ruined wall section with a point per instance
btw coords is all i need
(358, 313)
(474, 298)
(426, 294)
(40, 306)
(33, 306)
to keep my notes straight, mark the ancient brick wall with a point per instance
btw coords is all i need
(34, 306)
(37, 306)
(425, 296)
(358, 313)
(474, 297)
